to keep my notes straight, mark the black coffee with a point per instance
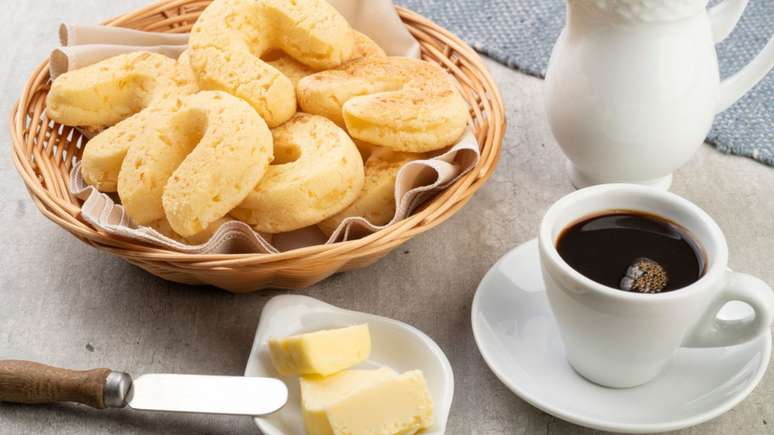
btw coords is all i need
(632, 251)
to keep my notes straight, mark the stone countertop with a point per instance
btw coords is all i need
(64, 303)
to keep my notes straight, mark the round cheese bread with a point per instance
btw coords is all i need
(401, 103)
(317, 173)
(295, 70)
(376, 202)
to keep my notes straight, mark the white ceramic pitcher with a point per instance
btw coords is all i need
(633, 85)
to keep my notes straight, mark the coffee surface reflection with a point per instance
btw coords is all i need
(632, 251)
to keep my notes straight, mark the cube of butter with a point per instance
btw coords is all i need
(319, 393)
(399, 405)
(322, 352)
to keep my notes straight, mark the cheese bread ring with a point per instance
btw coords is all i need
(227, 163)
(295, 70)
(317, 173)
(376, 202)
(194, 162)
(400, 103)
(230, 36)
(107, 92)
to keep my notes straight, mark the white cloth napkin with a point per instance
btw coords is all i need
(417, 181)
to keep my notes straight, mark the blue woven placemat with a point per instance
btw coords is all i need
(521, 33)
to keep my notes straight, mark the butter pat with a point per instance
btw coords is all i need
(319, 393)
(322, 352)
(399, 405)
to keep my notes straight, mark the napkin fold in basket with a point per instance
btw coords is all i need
(416, 183)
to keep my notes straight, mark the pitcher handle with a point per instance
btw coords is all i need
(724, 17)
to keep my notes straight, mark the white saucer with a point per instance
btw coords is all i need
(518, 338)
(393, 344)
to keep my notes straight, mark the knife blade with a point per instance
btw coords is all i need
(229, 395)
(32, 383)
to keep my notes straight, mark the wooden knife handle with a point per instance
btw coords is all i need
(29, 382)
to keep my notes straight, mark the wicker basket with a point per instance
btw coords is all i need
(44, 152)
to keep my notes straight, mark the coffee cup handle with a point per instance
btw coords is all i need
(714, 332)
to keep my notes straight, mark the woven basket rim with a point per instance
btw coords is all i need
(450, 200)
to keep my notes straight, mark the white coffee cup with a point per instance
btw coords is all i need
(622, 339)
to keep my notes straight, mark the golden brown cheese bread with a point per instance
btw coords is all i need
(317, 173)
(105, 93)
(193, 162)
(401, 103)
(295, 70)
(230, 158)
(376, 202)
(230, 37)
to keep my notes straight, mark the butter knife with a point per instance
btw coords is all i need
(33, 383)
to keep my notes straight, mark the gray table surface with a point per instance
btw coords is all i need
(62, 302)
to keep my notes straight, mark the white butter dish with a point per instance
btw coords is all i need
(393, 344)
